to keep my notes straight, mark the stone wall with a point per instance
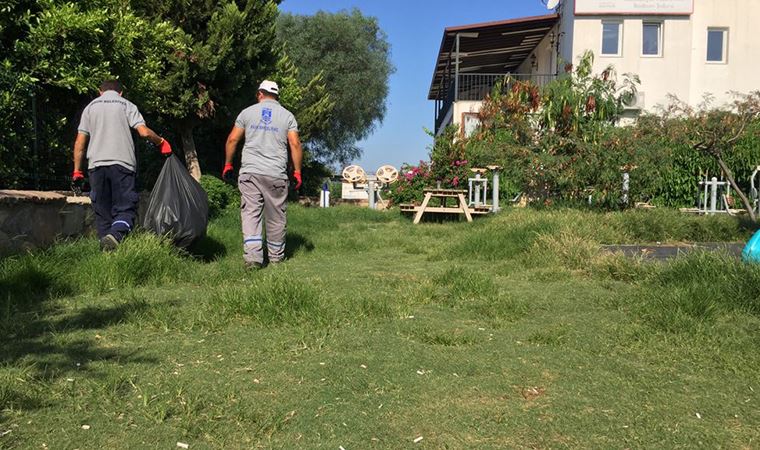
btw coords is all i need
(33, 219)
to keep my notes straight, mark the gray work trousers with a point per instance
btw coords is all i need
(267, 196)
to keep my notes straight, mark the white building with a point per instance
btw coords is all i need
(684, 48)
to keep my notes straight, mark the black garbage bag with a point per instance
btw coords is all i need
(178, 206)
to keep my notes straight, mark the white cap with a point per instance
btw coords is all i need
(269, 86)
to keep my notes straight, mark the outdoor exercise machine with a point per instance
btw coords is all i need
(384, 176)
(755, 190)
(478, 188)
(715, 196)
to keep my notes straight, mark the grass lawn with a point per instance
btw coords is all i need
(512, 332)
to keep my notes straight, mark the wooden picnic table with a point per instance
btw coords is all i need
(444, 195)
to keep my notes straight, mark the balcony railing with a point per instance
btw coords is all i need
(475, 87)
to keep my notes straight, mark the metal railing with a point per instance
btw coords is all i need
(476, 86)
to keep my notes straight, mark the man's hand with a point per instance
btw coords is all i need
(227, 173)
(165, 148)
(77, 182)
(297, 176)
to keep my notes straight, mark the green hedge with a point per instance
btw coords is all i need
(221, 195)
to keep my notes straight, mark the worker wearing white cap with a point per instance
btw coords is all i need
(268, 129)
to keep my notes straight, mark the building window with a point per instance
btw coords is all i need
(652, 42)
(717, 45)
(612, 38)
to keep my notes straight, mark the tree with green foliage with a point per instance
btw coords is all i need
(231, 49)
(186, 64)
(312, 103)
(353, 54)
(55, 54)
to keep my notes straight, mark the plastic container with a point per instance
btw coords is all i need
(751, 252)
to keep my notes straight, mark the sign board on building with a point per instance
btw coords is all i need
(634, 7)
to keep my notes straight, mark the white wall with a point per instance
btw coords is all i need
(682, 70)
(462, 107)
(545, 55)
(742, 71)
(566, 32)
(660, 76)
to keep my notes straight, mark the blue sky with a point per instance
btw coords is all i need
(414, 29)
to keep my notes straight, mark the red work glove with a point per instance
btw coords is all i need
(297, 176)
(165, 148)
(227, 172)
(77, 182)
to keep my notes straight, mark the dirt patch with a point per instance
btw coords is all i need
(532, 393)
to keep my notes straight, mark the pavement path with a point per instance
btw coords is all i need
(664, 252)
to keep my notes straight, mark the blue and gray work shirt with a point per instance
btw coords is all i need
(266, 126)
(108, 121)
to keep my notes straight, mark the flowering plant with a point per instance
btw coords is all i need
(411, 181)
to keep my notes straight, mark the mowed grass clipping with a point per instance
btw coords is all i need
(515, 331)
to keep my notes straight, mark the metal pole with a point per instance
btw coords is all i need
(371, 187)
(456, 73)
(714, 195)
(626, 187)
(495, 194)
(477, 189)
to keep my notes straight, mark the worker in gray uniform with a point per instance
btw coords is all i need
(105, 134)
(268, 129)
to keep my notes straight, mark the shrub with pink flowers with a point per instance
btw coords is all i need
(448, 168)
(449, 160)
(411, 181)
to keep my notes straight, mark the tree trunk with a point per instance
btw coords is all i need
(730, 177)
(191, 153)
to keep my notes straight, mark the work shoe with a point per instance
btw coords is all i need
(253, 265)
(108, 243)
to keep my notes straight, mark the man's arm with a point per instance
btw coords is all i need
(80, 148)
(296, 151)
(233, 140)
(147, 133)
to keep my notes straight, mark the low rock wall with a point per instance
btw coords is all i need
(34, 219)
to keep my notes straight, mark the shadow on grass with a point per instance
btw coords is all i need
(745, 223)
(295, 242)
(28, 288)
(207, 250)
(38, 343)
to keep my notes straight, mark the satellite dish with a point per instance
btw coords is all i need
(551, 4)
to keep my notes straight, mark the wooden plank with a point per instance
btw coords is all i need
(443, 210)
(445, 195)
(450, 210)
(444, 192)
(421, 211)
(463, 205)
(455, 191)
